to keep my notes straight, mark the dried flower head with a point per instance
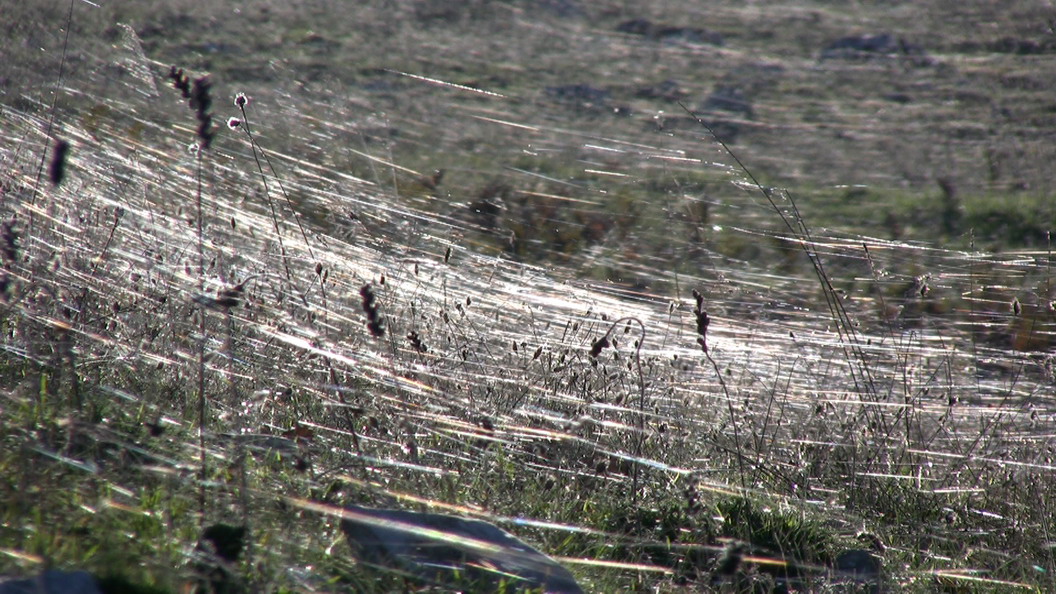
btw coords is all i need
(728, 563)
(241, 100)
(9, 242)
(702, 321)
(417, 343)
(181, 81)
(57, 170)
(598, 346)
(370, 307)
(234, 123)
(197, 93)
(225, 299)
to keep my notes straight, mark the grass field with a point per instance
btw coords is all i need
(185, 338)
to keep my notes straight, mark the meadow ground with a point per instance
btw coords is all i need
(185, 329)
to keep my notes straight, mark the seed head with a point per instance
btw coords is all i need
(57, 170)
(370, 307)
(599, 345)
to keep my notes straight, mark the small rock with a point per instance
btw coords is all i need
(858, 565)
(452, 550)
(859, 47)
(658, 32)
(52, 582)
(668, 90)
(579, 95)
(728, 99)
(635, 27)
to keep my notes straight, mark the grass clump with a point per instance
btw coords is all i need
(795, 539)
